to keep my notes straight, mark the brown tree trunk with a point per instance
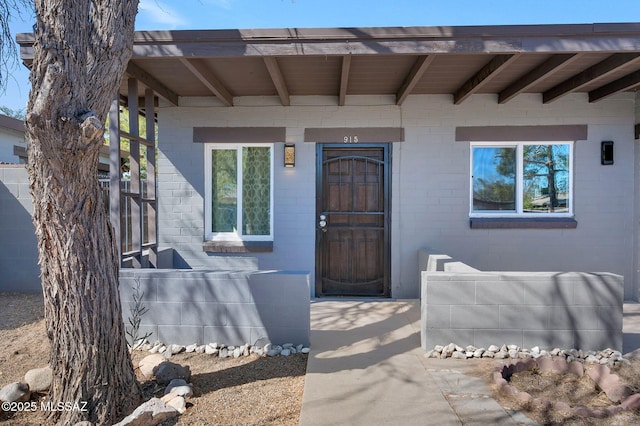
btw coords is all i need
(81, 51)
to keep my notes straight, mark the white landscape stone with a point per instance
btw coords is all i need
(15, 392)
(178, 403)
(39, 379)
(148, 364)
(607, 356)
(152, 412)
(176, 349)
(180, 387)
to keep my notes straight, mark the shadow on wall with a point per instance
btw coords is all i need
(18, 245)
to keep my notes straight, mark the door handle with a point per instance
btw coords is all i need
(323, 223)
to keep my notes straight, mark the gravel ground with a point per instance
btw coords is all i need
(248, 391)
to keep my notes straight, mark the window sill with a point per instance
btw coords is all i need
(523, 223)
(237, 246)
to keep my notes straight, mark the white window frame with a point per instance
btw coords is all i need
(519, 180)
(234, 236)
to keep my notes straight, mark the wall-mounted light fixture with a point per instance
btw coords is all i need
(606, 153)
(289, 155)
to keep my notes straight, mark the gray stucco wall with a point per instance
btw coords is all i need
(430, 183)
(528, 309)
(19, 270)
(228, 307)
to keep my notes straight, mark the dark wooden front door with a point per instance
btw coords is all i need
(352, 253)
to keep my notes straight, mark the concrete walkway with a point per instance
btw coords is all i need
(366, 367)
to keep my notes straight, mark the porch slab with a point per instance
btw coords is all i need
(366, 367)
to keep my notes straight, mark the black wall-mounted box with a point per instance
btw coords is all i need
(606, 153)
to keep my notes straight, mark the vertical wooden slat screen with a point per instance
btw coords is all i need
(136, 235)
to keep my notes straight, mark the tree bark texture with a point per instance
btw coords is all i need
(81, 51)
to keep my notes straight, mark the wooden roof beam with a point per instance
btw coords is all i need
(206, 77)
(627, 82)
(278, 79)
(152, 83)
(482, 77)
(414, 76)
(553, 64)
(344, 79)
(599, 70)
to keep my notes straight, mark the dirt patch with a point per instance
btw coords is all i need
(18, 309)
(567, 388)
(250, 390)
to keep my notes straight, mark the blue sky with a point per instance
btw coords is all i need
(216, 14)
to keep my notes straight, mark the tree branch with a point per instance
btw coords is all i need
(9, 9)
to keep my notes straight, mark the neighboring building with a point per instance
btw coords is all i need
(489, 144)
(18, 246)
(13, 147)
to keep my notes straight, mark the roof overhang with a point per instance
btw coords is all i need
(12, 123)
(551, 60)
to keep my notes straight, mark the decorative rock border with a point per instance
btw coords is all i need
(605, 357)
(224, 351)
(610, 383)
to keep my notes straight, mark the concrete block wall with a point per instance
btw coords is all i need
(546, 309)
(19, 270)
(430, 183)
(228, 307)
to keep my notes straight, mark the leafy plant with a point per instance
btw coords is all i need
(137, 311)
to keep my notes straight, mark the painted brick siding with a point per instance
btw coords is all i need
(430, 183)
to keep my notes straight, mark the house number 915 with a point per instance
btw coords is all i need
(350, 139)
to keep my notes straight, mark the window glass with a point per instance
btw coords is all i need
(494, 179)
(256, 190)
(545, 178)
(521, 178)
(224, 190)
(239, 192)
